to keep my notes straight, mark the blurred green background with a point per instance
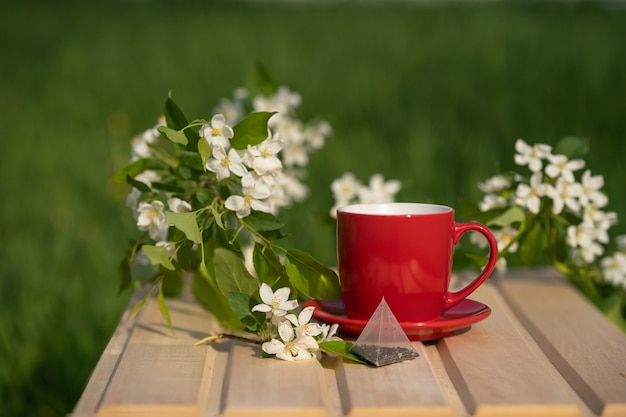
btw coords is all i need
(433, 95)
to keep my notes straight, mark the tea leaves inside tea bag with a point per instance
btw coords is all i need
(383, 341)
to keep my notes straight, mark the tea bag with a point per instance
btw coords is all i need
(382, 341)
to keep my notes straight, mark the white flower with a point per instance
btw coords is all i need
(531, 155)
(503, 236)
(148, 177)
(151, 218)
(140, 145)
(530, 195)
(277, 303)
(491, 201)
(178, 206)
(583, 239)
(328, 333)
(379, 191)
(345, 188)
(603, 222)
(252, 179)
(564, 193)
(292, 186)
(301, 323)
(580, 235)
(262, 157)
(251, 199)
(495, 184)
(295, 152)
(614, 269)
(316, 134)
(560, 165)
(290, 348)
(223, 164)
(283, 102)
(217, 132)
(621, 242)
(591, 194)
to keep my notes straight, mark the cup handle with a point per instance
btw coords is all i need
(453, 298)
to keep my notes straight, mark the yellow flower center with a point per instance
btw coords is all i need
(216, 131)
(290, 347)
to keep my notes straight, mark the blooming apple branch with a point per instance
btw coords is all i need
(555, 211)
(205, 193)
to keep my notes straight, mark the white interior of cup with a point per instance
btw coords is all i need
(394, 209)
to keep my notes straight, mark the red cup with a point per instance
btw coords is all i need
(403, 252)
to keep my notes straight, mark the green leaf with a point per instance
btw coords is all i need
(176, 136)
(532, 246)
(165, 312)
(172, 283)
(131, 170)
(175, 119)
(204, 149)
(310, 277)
(174, 116)
(158, 256)
(263, 222)
(186, 222)
(204, 288)
(512, 215)
(141, 303)
(341, 347)
(572, 147)
(187, 257)
(217, 216)
(192, 160)
(167, 187)
(231, 274)
(252, 130)
(138, 184)
(124, 274)
(204, 195)
(268, 267)
(241, 305)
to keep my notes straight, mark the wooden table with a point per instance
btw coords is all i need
(544, 351)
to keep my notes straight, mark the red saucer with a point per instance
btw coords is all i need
(464, 314)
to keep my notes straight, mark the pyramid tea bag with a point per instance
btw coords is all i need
(382, 341)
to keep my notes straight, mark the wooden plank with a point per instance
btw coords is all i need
(91, 397)
(272, 387)
(588, 350)
(498, 370)
(162, 373)
(450, 393)
(408, 388)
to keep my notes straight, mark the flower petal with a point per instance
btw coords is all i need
(282, 294)
(266, 294)
(263, 308)
(289, 305)
(292, 319)
(285, 331)
(273, 347)
(306, 342)
(305, 315)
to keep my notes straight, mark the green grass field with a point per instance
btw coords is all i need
(430, 95)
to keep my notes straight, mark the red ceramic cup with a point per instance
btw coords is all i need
(403, 252)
